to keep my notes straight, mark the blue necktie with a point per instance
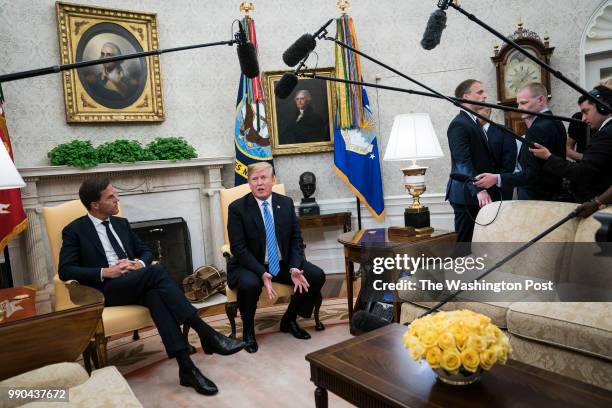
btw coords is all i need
(271, 245)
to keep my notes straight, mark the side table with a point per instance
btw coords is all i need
(342, 219)
(364, 245)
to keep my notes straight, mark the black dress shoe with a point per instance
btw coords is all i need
(196, 380)
(251, 344)
(222, 345)
(291, 326)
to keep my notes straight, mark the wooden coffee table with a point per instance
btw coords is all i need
(375, 370)
(46, 326)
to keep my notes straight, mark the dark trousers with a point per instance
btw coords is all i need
(154, 288)
(249, 287)
(464, 221)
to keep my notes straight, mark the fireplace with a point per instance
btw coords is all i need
(169, 241)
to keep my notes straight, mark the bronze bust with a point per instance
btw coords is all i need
(308, 185)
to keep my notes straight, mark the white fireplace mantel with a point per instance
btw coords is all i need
(58, 171)
(148, 190)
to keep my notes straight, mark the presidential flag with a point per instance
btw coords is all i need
(251, 139)
(356, 156)
(13, 219)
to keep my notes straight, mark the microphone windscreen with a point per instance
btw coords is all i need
(433, 32)
(247, 56)
(299, 49)
(286, 85)
(365, 322)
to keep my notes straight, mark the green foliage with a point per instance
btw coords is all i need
(123, 151)
(171, 148)
(77, 153)
(82, 154)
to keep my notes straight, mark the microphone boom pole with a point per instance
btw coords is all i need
(431, 95)
(58, 68)
(444, 4)
(478, 115)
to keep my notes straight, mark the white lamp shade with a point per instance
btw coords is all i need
(9, 176)
(412, 138)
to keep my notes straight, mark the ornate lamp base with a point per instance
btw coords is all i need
(416, 215)
(417, 218)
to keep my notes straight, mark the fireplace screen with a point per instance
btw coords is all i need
(169, 241)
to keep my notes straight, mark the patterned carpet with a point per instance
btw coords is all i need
(129, 355)
(276, 376)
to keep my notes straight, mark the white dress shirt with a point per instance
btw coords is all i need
(604, 123)
(271, 211)
(111, 255)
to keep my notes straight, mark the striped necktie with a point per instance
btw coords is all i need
(271, 245)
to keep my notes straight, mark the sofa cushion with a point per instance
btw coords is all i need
(519, 222)
(105, 388)
(579, 326)
(60, 375)
(493, 305)
(578, 366)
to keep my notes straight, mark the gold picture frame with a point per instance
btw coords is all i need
(313, 132)
(126, 91)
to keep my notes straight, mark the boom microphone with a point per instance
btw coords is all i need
(303, 46)
(247, 54)
(288, 82)
(286, 85)
(433, 32)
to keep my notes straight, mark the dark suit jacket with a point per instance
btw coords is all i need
(470, 155)
(82, 254)
(503, 148)
(538, 184)
(247, 234)
(592, 175)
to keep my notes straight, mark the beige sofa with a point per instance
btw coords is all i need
(570, 338)
(105, 388)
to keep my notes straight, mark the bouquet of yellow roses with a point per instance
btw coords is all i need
(457, 341)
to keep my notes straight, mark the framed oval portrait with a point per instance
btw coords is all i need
(121, 91)
(115, 85)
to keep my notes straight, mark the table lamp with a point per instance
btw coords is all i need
(9, 176)
(413, 138)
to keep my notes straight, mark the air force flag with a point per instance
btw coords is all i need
(357, 161)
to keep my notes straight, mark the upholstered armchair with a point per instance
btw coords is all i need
(231, 306)
(115, 319)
